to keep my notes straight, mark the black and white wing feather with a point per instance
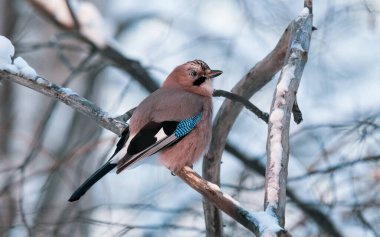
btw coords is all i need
(153, 137)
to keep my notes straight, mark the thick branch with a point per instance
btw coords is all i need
(252, 82)
(279, 120)
(320, 218)
(222, 201)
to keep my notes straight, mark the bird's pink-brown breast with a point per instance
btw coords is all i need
(190, 149)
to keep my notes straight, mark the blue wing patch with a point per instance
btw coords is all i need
(185, 126)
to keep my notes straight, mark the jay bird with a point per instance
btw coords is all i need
(175, 120)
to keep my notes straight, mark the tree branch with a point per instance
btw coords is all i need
(222, 201)
(252, 82)
(248, 105)
(337, 167)
(279, 119)
(318, 216)
(70, 98)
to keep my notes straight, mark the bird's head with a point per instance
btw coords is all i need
(194, 76)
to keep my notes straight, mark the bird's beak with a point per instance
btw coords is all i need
(213, 73)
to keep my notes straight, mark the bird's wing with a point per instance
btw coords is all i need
(154, 136)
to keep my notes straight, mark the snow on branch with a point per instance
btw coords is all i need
(17, 70)
(279, 119)
(17, 66)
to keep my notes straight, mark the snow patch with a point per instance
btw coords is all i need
(267, 223)
(42, 81)
(6, 51)
(24, 69)
(67, 91)
(298, 46)
(305, 11)
(9, 68)
(19, 66)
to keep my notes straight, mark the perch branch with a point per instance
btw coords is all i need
(222, 201)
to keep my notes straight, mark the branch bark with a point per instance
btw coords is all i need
(321, 219)
(248, 105)
(221, 201)
(70, 98)
(279, 119)
(252, 82)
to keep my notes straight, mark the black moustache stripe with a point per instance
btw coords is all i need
(199, 81)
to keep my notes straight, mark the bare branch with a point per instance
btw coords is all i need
(337, 167)
(248, 105)
(222, 201)
(320, 218)
(70, 98)
(252, 82)
(279, 120)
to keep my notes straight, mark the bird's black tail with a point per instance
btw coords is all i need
(107, 167)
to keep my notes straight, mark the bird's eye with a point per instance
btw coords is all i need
(193, 73)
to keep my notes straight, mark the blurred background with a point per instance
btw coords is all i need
(47, 149)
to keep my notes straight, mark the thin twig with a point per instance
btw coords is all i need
(336, 167)
(248, 105)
